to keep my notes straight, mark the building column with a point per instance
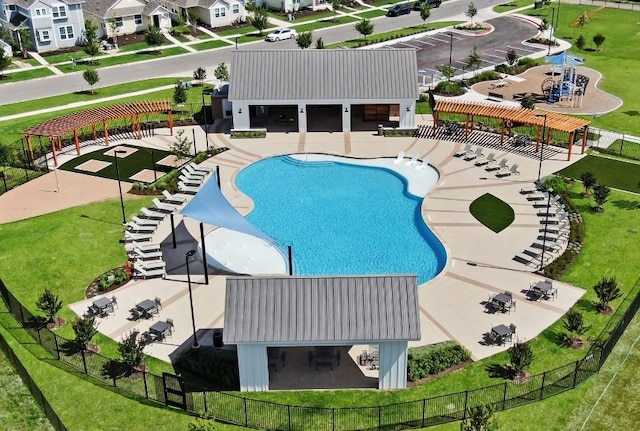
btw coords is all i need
(346, 118)
(241, 119)
(253, 367)
(407, 115)
(302, 118)
(393, 365)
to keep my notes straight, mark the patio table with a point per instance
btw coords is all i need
(503, 301)
(544, 289)
(146, 307)
(502, 332)
(103, 304)
(161, 329)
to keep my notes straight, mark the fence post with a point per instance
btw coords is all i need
(466, 398)
(288, 417)
(55, 339)
(84, 362)
(504, 396)
(204, 396)
(246, 417)
(379, 417)
(146, 388)
(544, 376)
(333, 419)
(424, 410)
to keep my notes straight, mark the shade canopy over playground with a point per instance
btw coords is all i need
(564, 59)
(511, 115)
(56, 128)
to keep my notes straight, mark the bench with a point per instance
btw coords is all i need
(497, 97)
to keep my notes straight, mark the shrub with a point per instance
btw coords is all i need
(111, 278)
(85, 330)
(520, 357)
(49, 304)
(606, 290)
(449, 88)
(423, 361)
(487, 75)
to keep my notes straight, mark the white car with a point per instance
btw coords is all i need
(282, 34)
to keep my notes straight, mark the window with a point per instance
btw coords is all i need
(119, 21)
(12, 7)
(59, 12)
(44, 35)
(41, 12)
(138, 19)
(236, 9)
(218, 12)
(66, 32)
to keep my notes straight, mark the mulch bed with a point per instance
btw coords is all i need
(94, 287)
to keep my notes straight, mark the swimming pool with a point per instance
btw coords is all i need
(341, 218)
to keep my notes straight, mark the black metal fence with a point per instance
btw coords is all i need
(173, 391)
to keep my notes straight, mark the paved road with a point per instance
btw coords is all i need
(184, 65)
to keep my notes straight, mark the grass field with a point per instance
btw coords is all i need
(492, 212)
(611, 172)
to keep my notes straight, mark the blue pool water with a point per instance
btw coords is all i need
(341, 218)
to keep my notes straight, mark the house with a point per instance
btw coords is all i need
(117, 17)
(214, 13)
(293, 5)
(53, 24)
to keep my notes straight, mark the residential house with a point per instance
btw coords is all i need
(53, 24)
(214, 13)
(118, 17)
(293, 5)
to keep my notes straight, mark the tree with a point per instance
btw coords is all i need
(5, 62)
(480, 419)
(512, 57)
(113, 26)
(221, 73)
(304, 39)
(598, 40)
(364, 27)
(606, 290)
(600, 195)
(179, 93)
(589, 180)
(319, 43)
(474, 60)
(200, 74)
(259, 19)
(92, 77)
(181, 148)
(192, 14)
(544, 24)
(85, 330)
(520, 356)
(5, 155)
(580, 42)
(472, 11)
(528, 101)
(91, 44)
(447, 71)
(574, 323)
(154, 36)
(583, 19)
(335, 5)
(131, 352)
(25, 41)
(425, 13)
(49, 304)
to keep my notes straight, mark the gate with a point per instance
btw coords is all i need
(174, 391)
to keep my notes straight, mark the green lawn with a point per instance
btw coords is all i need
(67, 56)
(395, 34)
(240, 30)
(25, 75)
(324, 23)
(492, 212)
(375, 13)
(611, 172)
(211, 44)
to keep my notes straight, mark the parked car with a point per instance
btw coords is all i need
(282, 34)
(399, 9)
(431, 3)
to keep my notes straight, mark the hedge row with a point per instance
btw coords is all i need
(434, 359)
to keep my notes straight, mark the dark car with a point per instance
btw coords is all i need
(431, 3)
(399, 9)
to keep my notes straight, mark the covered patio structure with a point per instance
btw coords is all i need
(56, 128)
(510, 115)
(317, 312)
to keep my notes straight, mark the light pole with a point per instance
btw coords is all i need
(450, 48)
(553, 11)
(544, 126)
(190, 254)
(115, 155)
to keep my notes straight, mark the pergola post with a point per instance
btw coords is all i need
(138, 126)
(59, 138)
(106, 133)
(585, 136)
(76, 139)
(170, 115)
(435, 123)
(538, 138)
(30, 147)
(53, 151)
(95, 132)
(502, 124)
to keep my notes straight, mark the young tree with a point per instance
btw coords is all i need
(425, 13)
(544, 24)
(472, 11)
(528, 101)
(181, 148)
(589, 180)
(580, 42)
(574, 323)
(5, 62)
(474, 60)
(606, 290)
(259, 19)
(221, 73)
(49, 304)
(447, 71)
(319, 43)
(598, 40)
(480, 419)
(113, 26)
(512, 57)
(335, 5)
(520, 356)
(179, 93)
(131, 353)
(91, 44)
(92, 77)
(364, 27)
(192, 14)
(600, 195)
(85, 330)
(154, 37)
(304, 39)
(583, 19)
(24, 40)
(200, 74)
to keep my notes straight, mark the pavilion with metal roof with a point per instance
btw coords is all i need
(280, 311)
(56, 128)
(511, 115)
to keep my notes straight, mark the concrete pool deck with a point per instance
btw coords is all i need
(480, 261)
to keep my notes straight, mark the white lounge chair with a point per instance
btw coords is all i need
(551, 211)
(190, 172)
(489, 159)
(412, 162)
(150, 264)
(529, 189)
(399, 158)
(164, 207)
(173, 199)
(561, 228)
(463, 151)
(152, 214)
(141, 254)
(187, 189)
(149, 273)
(504, 172)
(493, 166)
(199, 168)
(190, 181)
(145, 247)
(540, 195)
(472, 155)
(131, 236)
(547, 203)
(423, 165)
(547, 244)
(524, 258)
(145, 221)
(134, 227)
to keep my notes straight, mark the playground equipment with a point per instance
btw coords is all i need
(569, 85)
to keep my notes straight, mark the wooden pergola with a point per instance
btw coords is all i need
(58, 127)
(510, 115)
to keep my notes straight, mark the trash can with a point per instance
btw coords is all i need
(217, 338)
(380, 130)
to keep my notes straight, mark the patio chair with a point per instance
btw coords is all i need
(171, 325)
(504, 172)
(150, 264)
(145, 221)
(496, 166)
(114, 301)
(134, 227)
(529, 189)
(423, 165)
(135, 315)
(172, 199)
(472, 155)
(524, 258)
(190, 181)
(140, 254)
(158, 302)
(493, 337)
(150, 273)
(195, 167)
(485, 161)
(130, 236)
(512, 327)
(399, 158)
(164, 207)
(145, 247)
(538, 196)
(412, 162)
(463, 151)
(548, 203)
(152, 214)
(187, 189)
(190, 172)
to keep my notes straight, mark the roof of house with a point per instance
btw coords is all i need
(328, 309)
(26, 4)
(324, 74)
(105, 8)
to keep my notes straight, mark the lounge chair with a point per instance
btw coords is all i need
(547, 203)
(190, 172)
(496, 166)
(553, 212)
(172, 199)
(130, 236)
(504, 172)
(554, 219)
(463, 151)
(546, 245)
(147, 254)
(146, 247)
(563, 227)
(199, 168)
(164, 207)
(149, 273)
(145, 221)
(529, 189)
(489, 159)
(423, 165)
(152, 214)
(399, 158)
(190, 181)
(150, 264)
(187, 189)
(412, 162)
(134, 227)
(472, 155)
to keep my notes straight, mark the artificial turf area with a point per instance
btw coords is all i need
(610, 172)
(492, 212)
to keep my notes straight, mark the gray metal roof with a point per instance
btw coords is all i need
(303, 310)
(324, 74)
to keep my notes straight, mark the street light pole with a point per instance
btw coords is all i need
(549, 41)
(450, 47)
(115, 155)
(544, 127)
(190, 254)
